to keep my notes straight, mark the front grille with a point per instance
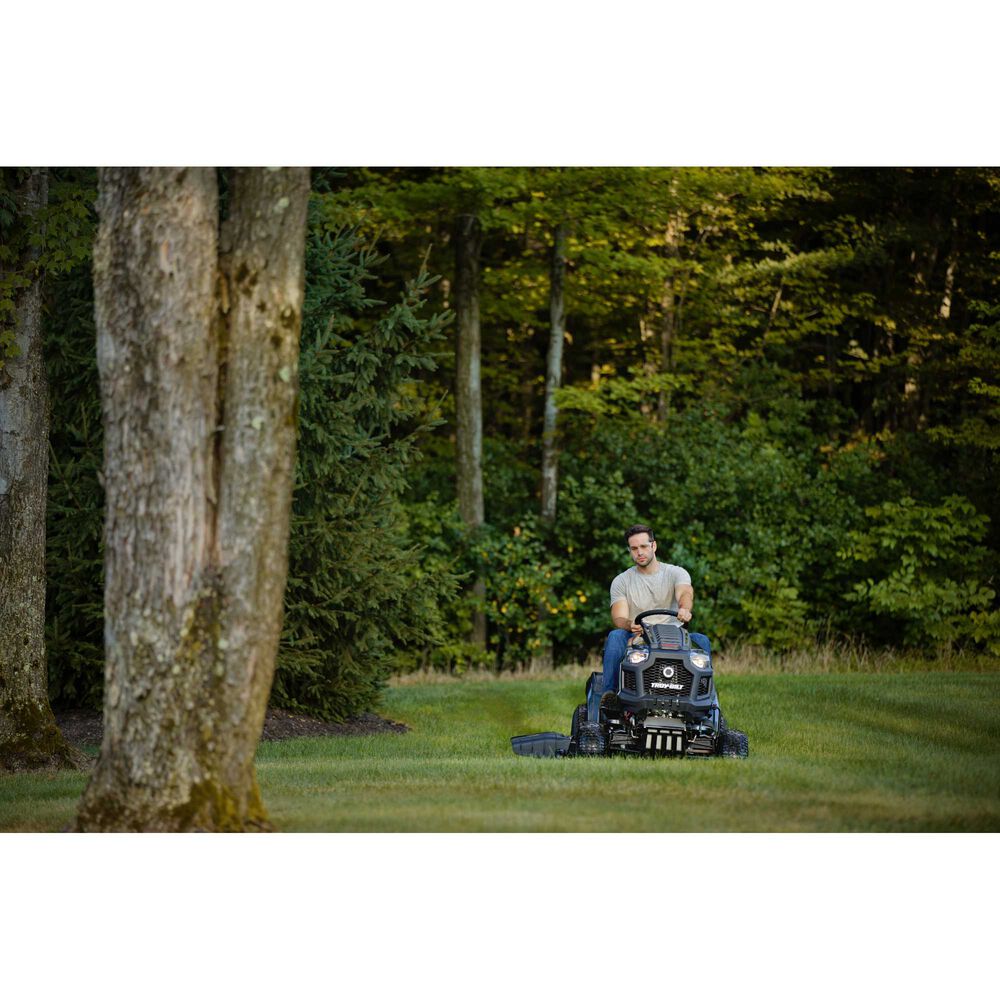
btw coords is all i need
(654, 675)
(628, 680)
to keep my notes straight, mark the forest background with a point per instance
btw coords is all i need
(792, 374)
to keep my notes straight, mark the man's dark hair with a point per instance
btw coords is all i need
(638, 529)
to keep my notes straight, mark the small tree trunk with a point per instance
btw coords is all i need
(29, 736)
(668, 318)
(468, 394)
(668, 313)
(544, 656)
(198, 358)
(553, 376)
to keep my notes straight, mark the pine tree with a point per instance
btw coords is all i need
(359, 602)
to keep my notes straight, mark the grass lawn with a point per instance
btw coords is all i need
(829, 752)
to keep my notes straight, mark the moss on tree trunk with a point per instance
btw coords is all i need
(30, 740)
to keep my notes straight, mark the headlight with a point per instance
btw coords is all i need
(699, 660)
(637, 655)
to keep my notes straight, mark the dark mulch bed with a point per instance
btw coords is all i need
(84, 727)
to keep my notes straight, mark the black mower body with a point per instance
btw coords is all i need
(665, 704)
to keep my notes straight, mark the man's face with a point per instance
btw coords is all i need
(642, 549)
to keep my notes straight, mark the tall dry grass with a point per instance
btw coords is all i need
(843, 657)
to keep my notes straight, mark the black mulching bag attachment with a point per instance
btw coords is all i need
(540, 745)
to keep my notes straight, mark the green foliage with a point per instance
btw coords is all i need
(53, 242)
(14, 235)
(753, 508)
(357, 592)
(74, 610)
(622, 397)
(445, 557)
(68, 222)
(532, 600)
(593, 511)
(74, 522)
(924, 567)
(971, 371)
(832, 344)
(521, 588)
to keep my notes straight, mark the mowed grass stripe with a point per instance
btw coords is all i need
(830, 752)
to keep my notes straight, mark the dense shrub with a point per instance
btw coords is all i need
(923, 572)
(749, 503)
(74, 522)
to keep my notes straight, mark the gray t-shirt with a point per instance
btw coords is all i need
(644, 591)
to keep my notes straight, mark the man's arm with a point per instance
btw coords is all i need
(685, 601)
(619, 615)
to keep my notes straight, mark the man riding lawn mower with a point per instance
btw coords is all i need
(656, 694)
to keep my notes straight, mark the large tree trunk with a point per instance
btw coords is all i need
(198, 358)
(29, 736)
(468, 393)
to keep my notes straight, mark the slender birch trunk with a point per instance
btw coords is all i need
(29, 736)
(668, 312)
(198, 358)
(468, 393)
(553, 376)
(543, 658)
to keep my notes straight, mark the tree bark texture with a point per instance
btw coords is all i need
(468, 392)
(468, 389)
(29, 736)
(553, 377)
(197, 347)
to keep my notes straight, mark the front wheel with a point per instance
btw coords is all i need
(590, 739)
(735, 743)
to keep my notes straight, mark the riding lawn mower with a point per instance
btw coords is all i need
(666, 705)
